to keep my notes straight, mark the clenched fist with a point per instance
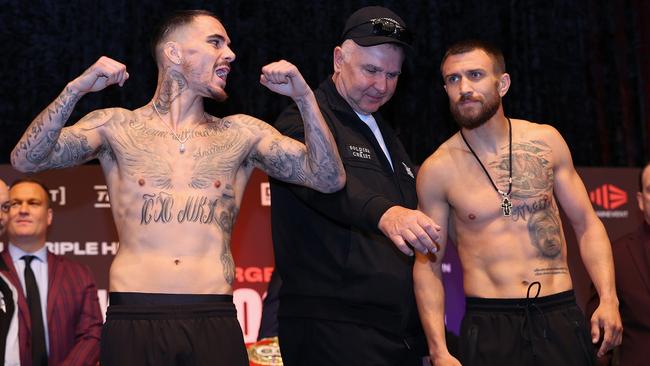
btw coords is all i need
(101, 74)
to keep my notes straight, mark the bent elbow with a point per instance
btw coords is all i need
(335, 184)
(22, 165)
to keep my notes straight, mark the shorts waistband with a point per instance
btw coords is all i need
(137, 306)
(550, 302)
(145, 298)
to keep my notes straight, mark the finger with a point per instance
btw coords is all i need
(401, 245)
(263, 80)
(424, 240)
(124, 78)
(411, 238)
(595, 331)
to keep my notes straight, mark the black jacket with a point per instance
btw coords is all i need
(334, 262)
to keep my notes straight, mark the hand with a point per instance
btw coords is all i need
(606, 317)
(103, 73)
(284, 78)
(402, 225)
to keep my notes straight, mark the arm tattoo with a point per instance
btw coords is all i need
(69, 149)
(40, 138)
(321, 161)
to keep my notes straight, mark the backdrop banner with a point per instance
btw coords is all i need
(83, 230)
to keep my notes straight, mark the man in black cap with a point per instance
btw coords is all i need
(347, 293)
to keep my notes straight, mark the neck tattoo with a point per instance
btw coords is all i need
(506, 204)
(182, 141)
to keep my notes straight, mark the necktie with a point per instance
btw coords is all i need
(39, 353)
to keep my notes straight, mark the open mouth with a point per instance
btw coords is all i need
(222, 73)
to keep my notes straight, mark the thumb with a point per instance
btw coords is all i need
(595, 331)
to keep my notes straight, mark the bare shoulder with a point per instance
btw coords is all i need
(440, 166)
(101, 117)
(527, 131)
(248, 122)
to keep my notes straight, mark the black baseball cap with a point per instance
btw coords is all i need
(375, 25)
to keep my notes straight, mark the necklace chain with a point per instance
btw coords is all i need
(180, 141)
(506, 204)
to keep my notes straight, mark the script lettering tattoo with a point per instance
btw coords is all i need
(173, 84)
(523, 210)
(198, 209)
(40, 138)
(551, 271)
(544, 231)
(220, 159)
(157, 208)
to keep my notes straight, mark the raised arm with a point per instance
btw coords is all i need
(427, 272)
(46, 144)
(316, 163)
(595, 248)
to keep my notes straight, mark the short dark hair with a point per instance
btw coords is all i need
(174, 21)
(469, 45)
(37, 182)
(646, 166)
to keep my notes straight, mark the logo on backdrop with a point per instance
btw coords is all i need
(57, 195)
(102, 197)
(608, 198)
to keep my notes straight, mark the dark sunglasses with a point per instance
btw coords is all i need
(389, 28)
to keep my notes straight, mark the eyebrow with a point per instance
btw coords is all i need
(217, 36)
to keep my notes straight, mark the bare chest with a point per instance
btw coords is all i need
(201, 158)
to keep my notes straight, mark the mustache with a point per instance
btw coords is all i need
(468, 98)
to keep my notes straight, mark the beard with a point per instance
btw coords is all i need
(488, 109)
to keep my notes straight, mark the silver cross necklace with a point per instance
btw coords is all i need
(506, 203)
(182, 141)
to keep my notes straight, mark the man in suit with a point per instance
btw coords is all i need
(632, 263)
(8, 294)
(59, 320)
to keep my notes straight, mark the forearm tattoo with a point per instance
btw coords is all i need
(41, 139)
(324, 167)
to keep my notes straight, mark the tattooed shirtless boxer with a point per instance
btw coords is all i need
(497, 184)
(176, 176)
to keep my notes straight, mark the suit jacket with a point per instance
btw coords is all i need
(632, 264)
(74, 319)
(8, 311)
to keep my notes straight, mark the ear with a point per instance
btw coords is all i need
(49, 216)
(639, 200)
(504, 83)
(338, 58)
(173, 52)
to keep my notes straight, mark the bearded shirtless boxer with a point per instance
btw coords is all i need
(176, 176)
(495, 188)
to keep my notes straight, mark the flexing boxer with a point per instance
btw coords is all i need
(176, 176)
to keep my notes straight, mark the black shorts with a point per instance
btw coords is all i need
(549, 330)
(167, 329)
(317, 342)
